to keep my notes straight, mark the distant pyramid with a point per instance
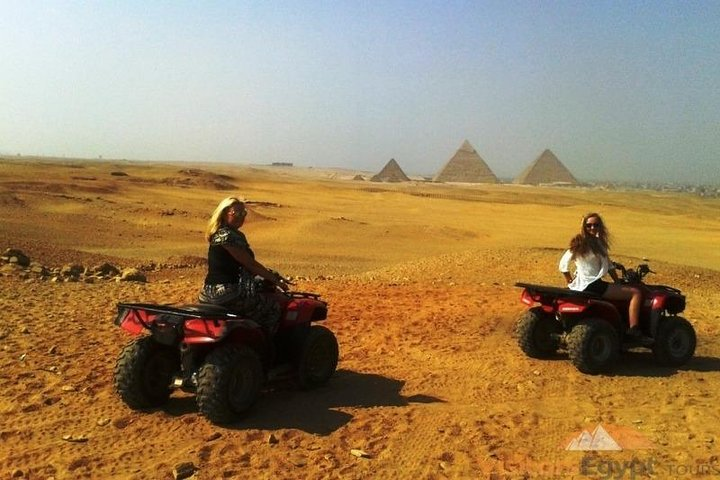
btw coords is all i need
(391, 173)
(466, 166)
(546, 169)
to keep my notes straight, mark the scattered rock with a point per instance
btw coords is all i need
(213, 436)
(52, 349)
(75, 438)
(17, 257)
(183, 470)
(68, 388)
(15, 263)
(272, 439)
(359, 453)
(103, 421)
(17, 473)
(132, 275)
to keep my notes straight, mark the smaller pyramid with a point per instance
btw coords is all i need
(466, 166)
(390, 173)
(546, 169)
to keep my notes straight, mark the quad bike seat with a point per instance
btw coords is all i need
(564, 292)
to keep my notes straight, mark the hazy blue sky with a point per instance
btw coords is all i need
(618, 90)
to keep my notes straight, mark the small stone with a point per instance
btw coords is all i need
(536, 372)
(75, 438)
(359, 453)
(103, 421)
(637, 421)
(213, 436)
(272, 439)
(710, 440)
(23, 357)
(52, 349)
(298, 460)
(17, 473)
(183, 470)
(68, 388)
(24, 329)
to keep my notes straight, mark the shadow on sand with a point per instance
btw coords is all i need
(643, 364)
(283, 406)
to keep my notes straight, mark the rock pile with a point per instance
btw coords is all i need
(15, 262)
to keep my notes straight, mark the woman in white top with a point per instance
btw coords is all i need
(589, 250)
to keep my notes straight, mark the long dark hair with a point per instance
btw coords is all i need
(584, 243)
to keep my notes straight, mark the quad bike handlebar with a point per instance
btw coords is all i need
(633, 275)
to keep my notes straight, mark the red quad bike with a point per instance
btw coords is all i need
(592, 329)
(221, 356)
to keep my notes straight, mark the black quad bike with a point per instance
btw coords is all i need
(593, 330)
(220, 355)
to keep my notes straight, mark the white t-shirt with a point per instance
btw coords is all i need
(588, 268)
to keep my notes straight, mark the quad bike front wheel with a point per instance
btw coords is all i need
(675, 342)
(229, 382)
(538, 333)
(593, 346)
(318, 357)
(144, 371)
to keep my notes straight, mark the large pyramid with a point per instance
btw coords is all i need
(466, 166)
(390, 173)
(546, 169)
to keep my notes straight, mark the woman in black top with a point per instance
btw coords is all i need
(232, 267)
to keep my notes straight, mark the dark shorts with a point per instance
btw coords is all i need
(598, 287)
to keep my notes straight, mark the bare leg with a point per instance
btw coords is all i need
(626, 292)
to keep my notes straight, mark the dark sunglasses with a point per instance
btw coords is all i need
(593, 225)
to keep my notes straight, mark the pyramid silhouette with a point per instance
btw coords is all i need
(466, 166)
(546, 169)
(390, 173)
(600, 439)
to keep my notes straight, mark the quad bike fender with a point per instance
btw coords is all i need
(303, 310)
(530, 298)
(201, 330)
(134, 321)
(592, 307)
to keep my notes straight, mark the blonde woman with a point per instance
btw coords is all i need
(232, 267)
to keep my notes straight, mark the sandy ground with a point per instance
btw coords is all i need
(420, 280)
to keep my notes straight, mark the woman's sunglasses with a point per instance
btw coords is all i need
(593, 225)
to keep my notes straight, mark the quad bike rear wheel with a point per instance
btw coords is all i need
(318, 357)
(144, 371)
(229, 382)
(593, 346)
(538, 333)
(675, 342)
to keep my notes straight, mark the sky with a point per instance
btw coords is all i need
(618, 90)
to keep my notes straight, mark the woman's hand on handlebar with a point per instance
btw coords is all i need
(281, 282)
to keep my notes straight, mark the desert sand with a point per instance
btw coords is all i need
(420, 283)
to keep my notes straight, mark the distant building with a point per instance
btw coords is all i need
(281, 164)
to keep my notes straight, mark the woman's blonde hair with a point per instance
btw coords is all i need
(218, 215)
